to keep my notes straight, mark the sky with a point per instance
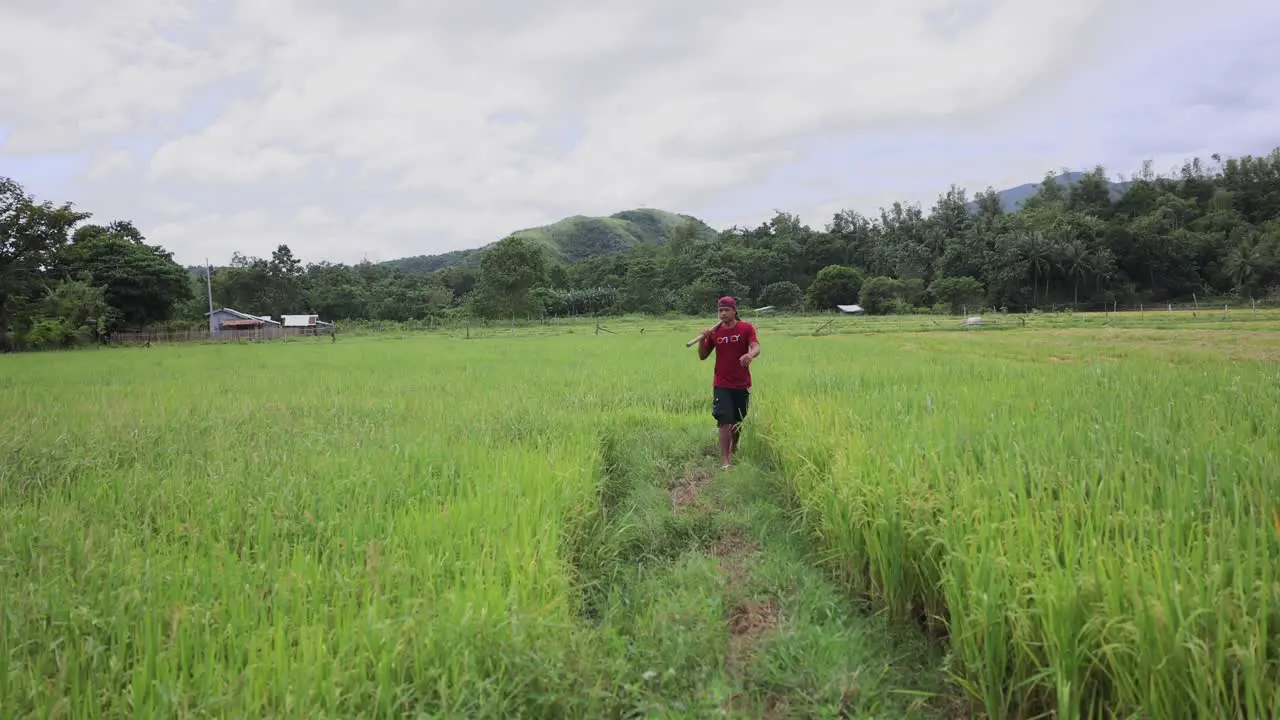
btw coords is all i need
(407, 127)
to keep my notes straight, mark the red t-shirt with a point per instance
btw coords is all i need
(731, 344)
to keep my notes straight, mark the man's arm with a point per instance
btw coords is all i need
(705, 347)
(753, 345)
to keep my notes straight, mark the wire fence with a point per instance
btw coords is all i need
(266, 333)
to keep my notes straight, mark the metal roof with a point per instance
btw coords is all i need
(246, 316)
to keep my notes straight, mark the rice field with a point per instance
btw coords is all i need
(1087, 519)
(1091, 516)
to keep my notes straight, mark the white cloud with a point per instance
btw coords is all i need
(78, 72)
(395, 129)
(109, 164)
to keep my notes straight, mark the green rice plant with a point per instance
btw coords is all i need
(1099, 533)
(434, 525)
(319, 529)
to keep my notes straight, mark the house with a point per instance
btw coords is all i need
(228, 319)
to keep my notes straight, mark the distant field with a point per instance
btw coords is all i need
(1086, 505)
(1236, 318)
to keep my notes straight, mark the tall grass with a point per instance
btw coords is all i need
(293, 528)
(390, 526)
(1095, 526)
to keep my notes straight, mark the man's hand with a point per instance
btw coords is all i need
(745, 360)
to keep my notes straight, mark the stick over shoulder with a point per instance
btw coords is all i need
(701, 335)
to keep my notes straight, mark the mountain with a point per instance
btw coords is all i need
(1012, 198)
(574, 238)
(580, 236)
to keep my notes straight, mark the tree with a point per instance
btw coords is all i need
(879, 294)
(784, 295)
(70, 310)
(337, 292)
(508, 272)
(643, 284)
(834, 285)
(142, 282)
(701, 295)
(284, 273)
(957, 293)
(31, 237)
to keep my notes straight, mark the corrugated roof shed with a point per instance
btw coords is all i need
(242, 315)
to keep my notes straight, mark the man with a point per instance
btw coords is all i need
(736, 345)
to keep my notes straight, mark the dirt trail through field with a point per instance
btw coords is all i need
(715, 603)
(779, 626)
(750, 618)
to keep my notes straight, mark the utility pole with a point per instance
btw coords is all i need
(208, 283)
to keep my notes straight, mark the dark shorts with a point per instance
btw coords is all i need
(729, 406)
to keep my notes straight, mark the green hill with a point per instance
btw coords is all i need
(580, 236)
(574, 238)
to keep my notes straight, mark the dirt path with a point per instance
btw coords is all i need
(750, 619)
(792, 647)
(703, 599)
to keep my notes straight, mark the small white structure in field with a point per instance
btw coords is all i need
(970, 322)
(852, 309)
(299, 320)
(309, 324)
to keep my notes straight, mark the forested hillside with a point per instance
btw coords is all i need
(574, 238)
(1207, 230)
(1011, 199)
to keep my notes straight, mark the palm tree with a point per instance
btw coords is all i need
(1076, 261)
(1246, 260)
(1037, 251)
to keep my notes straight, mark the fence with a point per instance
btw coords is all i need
(1205, 311)
(272, 332)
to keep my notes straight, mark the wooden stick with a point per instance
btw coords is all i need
(702, 335)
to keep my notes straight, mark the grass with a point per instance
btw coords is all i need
(1090, 517)
(1206, 320)
(312, 530)
(1084, 516)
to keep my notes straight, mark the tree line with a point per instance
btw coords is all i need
(1206, 230)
